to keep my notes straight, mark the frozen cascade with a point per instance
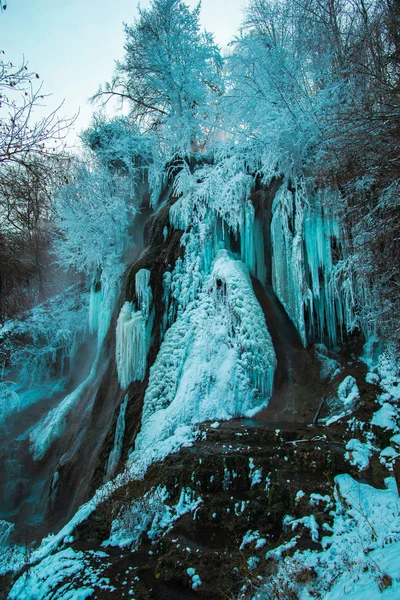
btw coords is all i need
(304, 275)
(133, 335)
(95, 302)
(103, 294)
(181, 287)
(288, 277)
(131, 345)
(196, 376)
(116, 451)
(220, 202)
(314, 289)
(144, 295)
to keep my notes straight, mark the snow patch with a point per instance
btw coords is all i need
(150, 514)
(386, 418)
(358, 453)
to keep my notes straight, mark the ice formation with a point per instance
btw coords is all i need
(116, 451)
(313, 285)
(52, 426)
(143, 291)
(131, 347)
(133, 336)
(348, 393)
(313, 288)
(217, 359)
(102, 299)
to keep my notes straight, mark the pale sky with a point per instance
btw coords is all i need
(73, 44)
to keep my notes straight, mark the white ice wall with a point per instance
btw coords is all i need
(217, 359)
(309, 281)
(133, 334)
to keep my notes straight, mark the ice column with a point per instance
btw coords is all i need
(95, 302)
(312, 287)
(116, 451)
(134, 333)
(144, 295)
(288, 277)
(252, 243)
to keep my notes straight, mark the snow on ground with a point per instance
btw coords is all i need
(386, 417)
(388, 369)
(362, 556)
(358, 453)
(348, 392)
(66, 575)
(151, 514)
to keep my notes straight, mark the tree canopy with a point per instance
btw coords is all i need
(171, 73)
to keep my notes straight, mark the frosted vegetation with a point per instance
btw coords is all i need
(36, 350)
(206, 135)
(361, 554)
(133, 335)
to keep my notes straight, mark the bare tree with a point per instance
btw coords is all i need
(21, 136)
(31, 162)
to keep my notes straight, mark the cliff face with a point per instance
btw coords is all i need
(180, 265)
(211, 401)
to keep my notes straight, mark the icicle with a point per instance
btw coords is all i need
(247, 249)
(259, 244)
(95, 302)
(116, 451)
(166, 302)
(180, 214)
(144, 295)
(306, 280)
(319, 230)
(131, 345)
(288, 277)
(103, 294)
(134, 328)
